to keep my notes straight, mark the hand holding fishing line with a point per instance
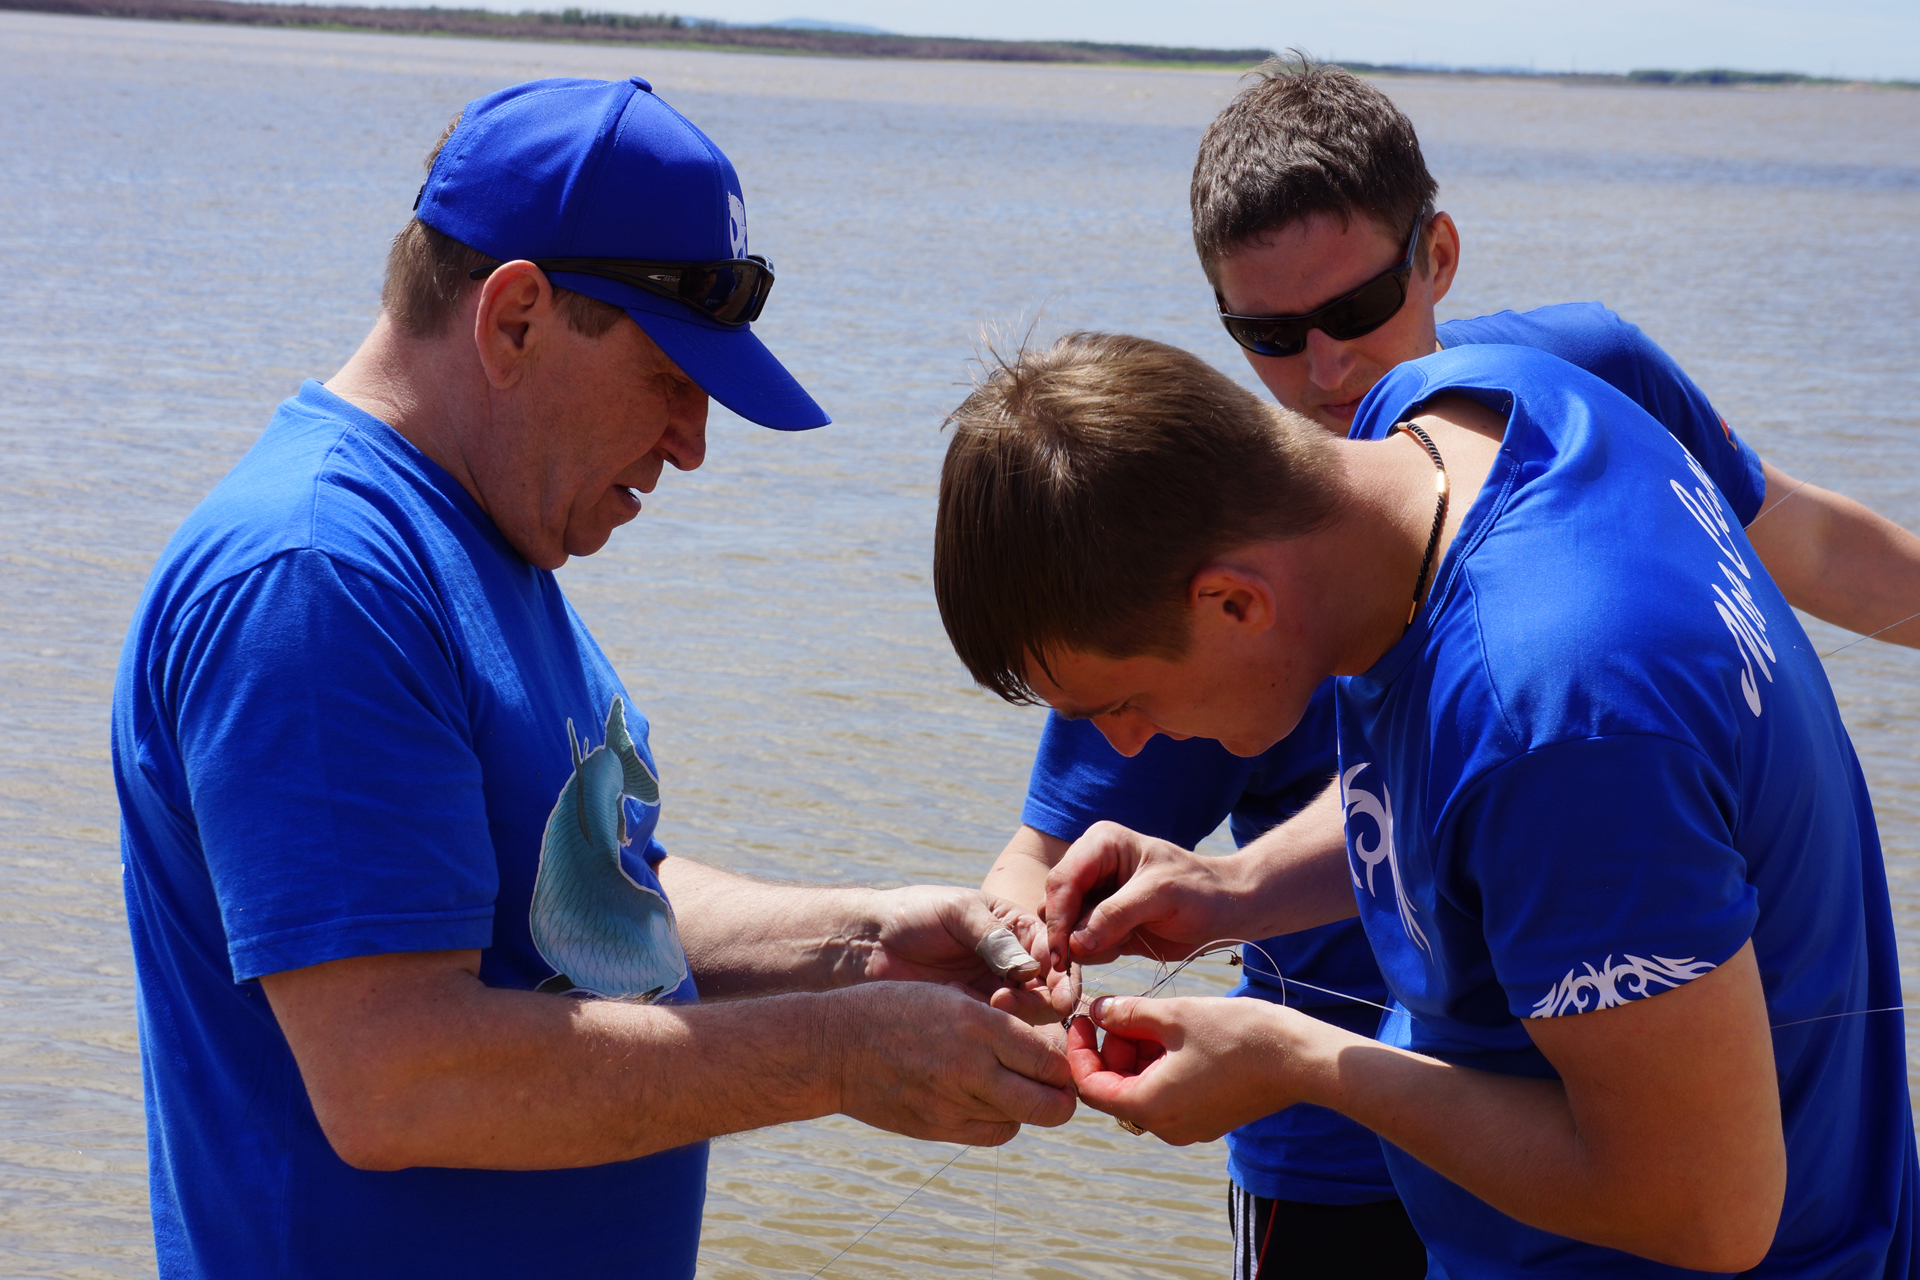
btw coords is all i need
(1190, 1069)
(935, 1063)
(967, 939)
(1117, 892)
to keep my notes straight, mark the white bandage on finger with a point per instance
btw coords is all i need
(1009, 959)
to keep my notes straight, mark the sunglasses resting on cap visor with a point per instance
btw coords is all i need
(729, 292)
(1352, 315)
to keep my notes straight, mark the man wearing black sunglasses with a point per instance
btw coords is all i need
(1314, 220)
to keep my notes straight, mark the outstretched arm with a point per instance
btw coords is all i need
(410, 1060)
(1837, 560)
(1662, 1136)
(748, 937)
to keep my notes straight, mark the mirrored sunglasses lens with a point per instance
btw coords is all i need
(1376, 303)
(1265, 338)
(729, 294)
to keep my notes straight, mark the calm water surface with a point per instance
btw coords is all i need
(195, 217)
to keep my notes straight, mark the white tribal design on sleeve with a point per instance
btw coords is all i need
(1615, 984)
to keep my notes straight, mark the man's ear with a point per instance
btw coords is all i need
(1232, 598)
(515, 308)
(1443, 254)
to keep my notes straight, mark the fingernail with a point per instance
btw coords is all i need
(1098, 1009)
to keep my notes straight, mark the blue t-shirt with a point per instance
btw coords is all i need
(1182, 791)
(1589, 335)
(1603, 759)
(339, 727)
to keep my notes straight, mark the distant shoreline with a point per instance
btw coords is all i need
(666, 30)
(642, 29)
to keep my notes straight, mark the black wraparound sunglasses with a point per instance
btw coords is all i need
(1351, 315)
(730, 292)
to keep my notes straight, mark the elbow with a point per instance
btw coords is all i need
(1724, 1251)
(370, 1155)
(1729, 1229)
(362, 1135)
(374, 1115)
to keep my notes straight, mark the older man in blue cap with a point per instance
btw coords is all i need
(388, 813)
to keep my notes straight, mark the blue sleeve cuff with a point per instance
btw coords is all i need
(300, 948)
(1049, 821)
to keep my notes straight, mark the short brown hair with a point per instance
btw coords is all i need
(428, 274)
(1087, 484)
(1306, 138)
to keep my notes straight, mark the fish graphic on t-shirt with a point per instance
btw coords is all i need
(602, 932)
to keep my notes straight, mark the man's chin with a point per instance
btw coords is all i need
(586, 541)
(1247, 748)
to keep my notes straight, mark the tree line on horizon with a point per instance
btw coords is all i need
(667, 28)
(647, 28)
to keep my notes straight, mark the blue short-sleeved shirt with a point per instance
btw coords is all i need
(340, 725)
(1590, 336)
(1182, 791)
(1605, 758)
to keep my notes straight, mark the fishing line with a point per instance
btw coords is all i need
(1788, 496)
(1832, 463)
(1225, 944)
(994, 1257)
(1851, 1013)
(1168, 974)
(903, 1204)
(1210, 948)
(1870, 635)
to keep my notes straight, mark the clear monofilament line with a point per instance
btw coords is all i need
(1217, 945)
(994, 1258)
(1329, 991)
(1851, 1013)
(1788, 497)
(1870, 635)
(897, 1208)
(1831, 464)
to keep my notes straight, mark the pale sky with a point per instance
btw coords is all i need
(1869, 39)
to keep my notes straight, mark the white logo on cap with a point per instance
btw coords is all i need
(737, 225)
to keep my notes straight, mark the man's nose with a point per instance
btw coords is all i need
(1328, 360)
(1126, 732)
(686, 440)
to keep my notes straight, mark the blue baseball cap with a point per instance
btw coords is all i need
(604, 169)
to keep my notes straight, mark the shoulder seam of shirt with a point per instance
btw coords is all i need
(326, 460)
(1486, 659)
(199, 598)
(205, 589)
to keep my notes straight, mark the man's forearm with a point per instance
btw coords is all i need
(410, 1060)
(1662, 1138)
(1839, 561)
(443, 1070)
(1297, 874)
(1019, 874)
(750, 937)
